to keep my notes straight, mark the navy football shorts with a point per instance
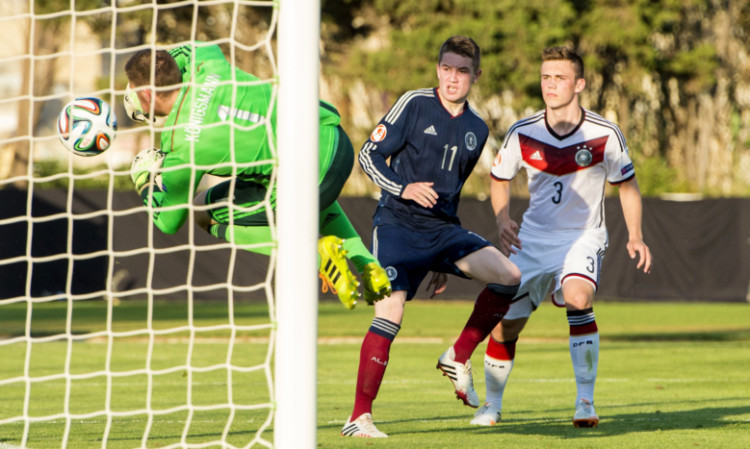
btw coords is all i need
(408, 255)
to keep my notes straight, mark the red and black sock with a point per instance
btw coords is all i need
(490, 307)
(582, 322)
(373, 359)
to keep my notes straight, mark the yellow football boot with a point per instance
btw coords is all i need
(335, 273)
(377, 285)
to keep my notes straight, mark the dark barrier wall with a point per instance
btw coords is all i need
(85, 237)
(701, 249)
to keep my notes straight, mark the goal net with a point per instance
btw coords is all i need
(113, 334)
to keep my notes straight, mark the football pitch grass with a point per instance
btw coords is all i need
(671, 375)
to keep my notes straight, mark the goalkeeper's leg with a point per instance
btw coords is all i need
(336, 162)
(333, 221)
(332, 264)
(249, 229)
(257, 239)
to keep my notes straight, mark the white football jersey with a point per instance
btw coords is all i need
(567, 173)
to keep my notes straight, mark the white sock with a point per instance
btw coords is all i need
(496, 373)
(584, 353)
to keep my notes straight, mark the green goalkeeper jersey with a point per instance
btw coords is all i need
(222, 124)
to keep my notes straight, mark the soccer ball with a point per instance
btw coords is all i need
(87, 126)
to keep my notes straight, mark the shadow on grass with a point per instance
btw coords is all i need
(630, 423)
(612, 424)
(712, 335)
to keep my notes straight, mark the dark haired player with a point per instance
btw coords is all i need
(433, 139)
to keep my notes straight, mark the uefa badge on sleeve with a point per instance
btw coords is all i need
(583, 156)
(379, 133)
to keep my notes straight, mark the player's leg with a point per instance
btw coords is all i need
(502, 278)
(499, 359)
(579, 281)
(373, 360)
(584, 347)
(336, 161)
(333, 221)
(245, 224)
(539, 264)
(393, 244)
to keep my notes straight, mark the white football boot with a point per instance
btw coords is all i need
(487, 415)
(460, 376)
(362, 427)
(585, 415)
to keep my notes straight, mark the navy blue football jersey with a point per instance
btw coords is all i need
(424, 143)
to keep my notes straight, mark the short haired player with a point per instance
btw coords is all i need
(213, 116)
(433, 139)
(569, 153)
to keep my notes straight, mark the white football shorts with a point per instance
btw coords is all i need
(547, 260)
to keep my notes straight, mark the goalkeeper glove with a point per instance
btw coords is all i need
(146, 170)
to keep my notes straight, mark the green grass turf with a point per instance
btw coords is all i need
(670, 375)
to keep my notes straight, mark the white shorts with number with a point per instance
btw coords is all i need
(548, 260)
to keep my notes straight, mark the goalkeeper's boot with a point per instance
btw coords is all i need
(377, 285)
(460, 375)
(362, 427)
(488, 415)
(335, 273)
(585, 415)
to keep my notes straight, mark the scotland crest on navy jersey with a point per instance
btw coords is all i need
(471, 141)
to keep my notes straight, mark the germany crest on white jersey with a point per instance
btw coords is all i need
(566, 174)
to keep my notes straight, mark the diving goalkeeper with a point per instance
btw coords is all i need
(214, 117)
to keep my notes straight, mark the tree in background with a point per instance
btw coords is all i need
(674, 74)
(671, 73)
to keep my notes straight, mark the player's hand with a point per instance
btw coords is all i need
(509, 241)
(438, 284)
(421, 193)
(146, 169)
(637, 247)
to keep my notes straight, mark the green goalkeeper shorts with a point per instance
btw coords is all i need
(251, 196)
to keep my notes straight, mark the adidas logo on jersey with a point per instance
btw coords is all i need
(431, 131)
(536, 156)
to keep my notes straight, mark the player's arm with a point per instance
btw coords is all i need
(373, 159)
(505, 166)
(164, 182)
(621, 172)
(507, 228)
(388, 138)
(632, 210)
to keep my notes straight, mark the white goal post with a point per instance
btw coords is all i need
(296, 280)
(113, 334)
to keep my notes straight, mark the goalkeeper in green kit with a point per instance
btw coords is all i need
(215, 120)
